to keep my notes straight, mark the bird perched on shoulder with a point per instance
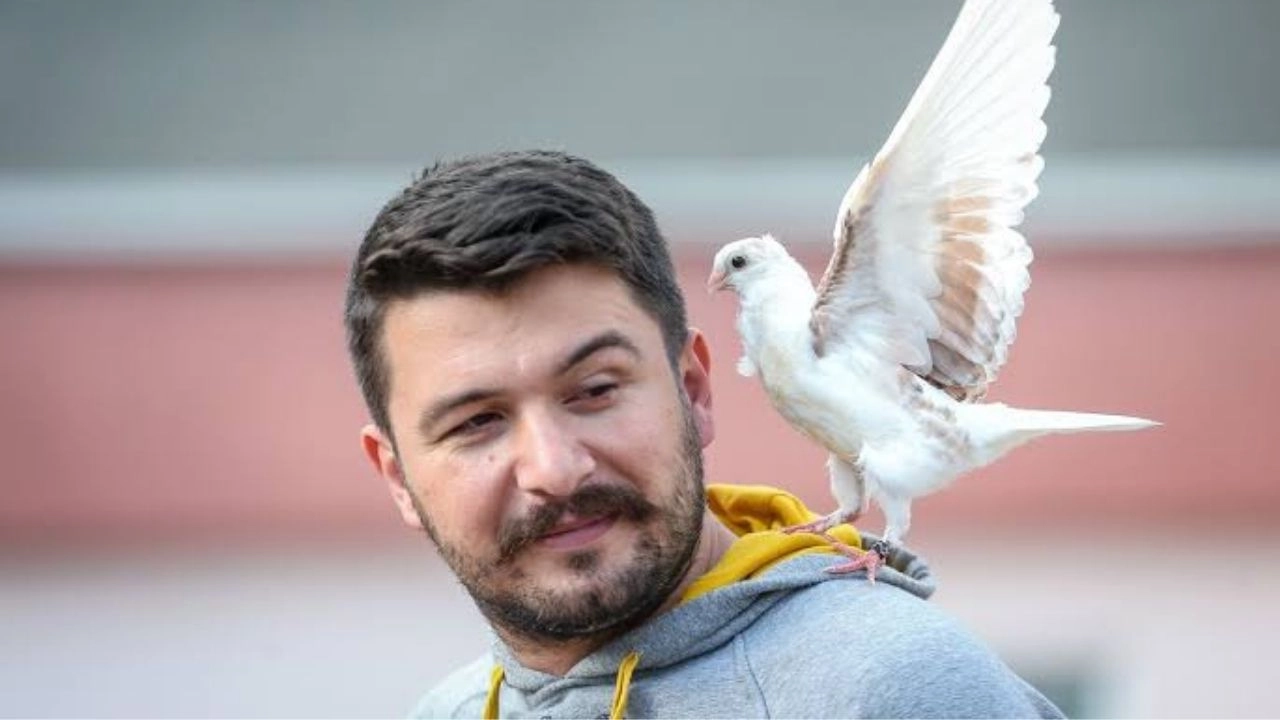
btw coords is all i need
(884, 363)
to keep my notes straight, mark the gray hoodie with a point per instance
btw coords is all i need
(791, 641)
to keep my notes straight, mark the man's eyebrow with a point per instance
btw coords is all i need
(605, 340)
(442, 407)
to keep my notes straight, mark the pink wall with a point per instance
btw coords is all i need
(159, 401)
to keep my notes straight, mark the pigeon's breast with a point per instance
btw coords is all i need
(817, 405)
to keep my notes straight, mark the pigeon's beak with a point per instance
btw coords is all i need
(718, 281)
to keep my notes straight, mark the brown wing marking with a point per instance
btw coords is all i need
(841, 265)
(969, 316)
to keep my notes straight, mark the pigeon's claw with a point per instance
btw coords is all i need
(870, 560)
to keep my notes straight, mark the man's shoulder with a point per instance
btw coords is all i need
(878, 650)
(849, 611)
(460, 694)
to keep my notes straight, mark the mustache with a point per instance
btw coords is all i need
(590, 501)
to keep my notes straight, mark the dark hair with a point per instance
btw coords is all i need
(484, 222)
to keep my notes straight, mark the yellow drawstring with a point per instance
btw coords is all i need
(495, 686)
(621, 688)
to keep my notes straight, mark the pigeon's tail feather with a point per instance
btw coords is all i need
(1006, 427)
(1056, 421)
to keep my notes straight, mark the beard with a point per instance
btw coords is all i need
(619, 598)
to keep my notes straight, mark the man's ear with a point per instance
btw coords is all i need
(381, 453)
(695, 378)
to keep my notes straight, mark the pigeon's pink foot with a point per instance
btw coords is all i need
(817, 527)
(822, 524)
(870, 560)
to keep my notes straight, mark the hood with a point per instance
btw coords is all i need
(748, 580)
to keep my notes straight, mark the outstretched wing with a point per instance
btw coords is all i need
(927, 269)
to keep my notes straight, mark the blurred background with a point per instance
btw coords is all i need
(187, 525)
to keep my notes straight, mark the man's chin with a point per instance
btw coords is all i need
(570, 574)
(578, 594)
(577, 610)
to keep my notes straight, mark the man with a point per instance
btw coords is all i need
(540, 407)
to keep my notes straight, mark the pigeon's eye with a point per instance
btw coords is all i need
(738, 262)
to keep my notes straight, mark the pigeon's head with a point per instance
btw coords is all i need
(741, 263)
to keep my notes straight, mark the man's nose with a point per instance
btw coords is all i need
(552, 459)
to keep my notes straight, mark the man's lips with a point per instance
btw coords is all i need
(577, 532)
(575, 521)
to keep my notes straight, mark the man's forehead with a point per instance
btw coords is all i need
(534, 321)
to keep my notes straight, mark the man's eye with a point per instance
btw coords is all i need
(600, 392)
(474, 423)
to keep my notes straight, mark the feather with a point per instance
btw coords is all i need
(925, 252)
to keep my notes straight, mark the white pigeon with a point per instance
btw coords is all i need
(883, 364)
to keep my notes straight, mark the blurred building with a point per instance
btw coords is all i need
(188, 526)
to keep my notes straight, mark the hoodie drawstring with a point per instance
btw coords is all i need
(491, 700)
(621, 688)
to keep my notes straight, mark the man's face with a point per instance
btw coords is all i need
(547, 447)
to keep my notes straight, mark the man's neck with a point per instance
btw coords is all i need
(559, 658)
